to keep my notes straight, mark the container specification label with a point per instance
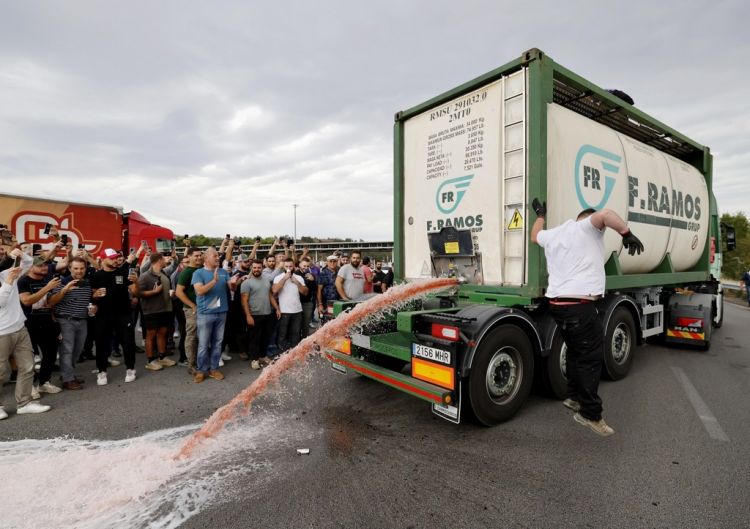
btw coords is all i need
(452, 176)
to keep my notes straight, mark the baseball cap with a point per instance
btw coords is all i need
(332, 257)
(39, 260)
(242, 257)
(108, 253)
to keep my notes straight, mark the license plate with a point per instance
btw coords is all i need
(431, 353)
(338, 367)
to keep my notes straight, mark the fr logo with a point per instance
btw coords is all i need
(450, 193)
(595, 172)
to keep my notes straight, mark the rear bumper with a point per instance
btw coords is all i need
(417, 388)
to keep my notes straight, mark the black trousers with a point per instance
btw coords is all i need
(120, 326)
(44, 333)
(287, 332)
(259, 335)
(582, 331)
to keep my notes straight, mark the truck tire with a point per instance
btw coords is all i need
(619, 344)
(554, 379)
(502, 374)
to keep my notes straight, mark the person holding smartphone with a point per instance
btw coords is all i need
(14, 338)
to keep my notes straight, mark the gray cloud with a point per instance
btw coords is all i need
(215, 117)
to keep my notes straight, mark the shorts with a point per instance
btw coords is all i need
(158, 320)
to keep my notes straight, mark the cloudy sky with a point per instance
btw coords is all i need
(217, 116)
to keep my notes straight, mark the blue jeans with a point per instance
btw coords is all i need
(210, 336)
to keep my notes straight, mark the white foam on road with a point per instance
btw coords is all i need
(710, 422)
(134, 483)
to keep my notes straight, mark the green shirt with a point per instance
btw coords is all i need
(186, 276)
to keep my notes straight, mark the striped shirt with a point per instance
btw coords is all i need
(75, 303)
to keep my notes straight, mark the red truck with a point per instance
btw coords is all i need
(94, 226)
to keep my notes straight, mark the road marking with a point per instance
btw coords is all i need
(701, 408)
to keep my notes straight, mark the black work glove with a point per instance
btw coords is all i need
(539, 208)
(632, 243)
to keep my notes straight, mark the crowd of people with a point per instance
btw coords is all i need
(64, 306)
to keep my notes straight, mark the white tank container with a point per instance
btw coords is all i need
(664, 200)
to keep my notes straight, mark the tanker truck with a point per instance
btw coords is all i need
(467, 165)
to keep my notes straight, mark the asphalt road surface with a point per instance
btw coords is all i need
(680, 456)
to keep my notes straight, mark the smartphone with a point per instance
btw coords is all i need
(35, 248)
(144, 242)
(228, 236)
(82, 282)
(289, 242)
(131, 271)
(64, 239)
(257, 239)
(81, 246)
(186, 236)
(132, 250)
(47, 228)
(237, 241)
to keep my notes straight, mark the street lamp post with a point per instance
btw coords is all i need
(295, 222)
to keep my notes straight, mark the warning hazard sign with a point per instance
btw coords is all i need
(516, 221)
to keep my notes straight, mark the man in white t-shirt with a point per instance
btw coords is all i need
(575, 263)
(288, 286)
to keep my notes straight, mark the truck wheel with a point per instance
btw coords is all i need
(501, 375)
(553, 368)
(619, 344)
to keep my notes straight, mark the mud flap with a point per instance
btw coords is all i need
(450, 412)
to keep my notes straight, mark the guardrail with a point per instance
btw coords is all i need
(731, 286)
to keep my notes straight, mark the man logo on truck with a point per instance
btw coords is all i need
(450, 193)
(590, 172)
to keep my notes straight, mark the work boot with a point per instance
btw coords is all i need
(216, 374)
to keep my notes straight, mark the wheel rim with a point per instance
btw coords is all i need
(503, 374)
(621, 343)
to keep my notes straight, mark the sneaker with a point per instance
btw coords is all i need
(600, 427)
(130, 375)
(255, 365)
(199, 377)
(101, 378)
(216, 374)
(3, 413)
(113, 362)
(154, 365)
(572, 404)
(72, 385)
(33, 407)
(35, 393)
(49, 387)
(225, 357)
(221, 362)
(167, 362)
(37, 359)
